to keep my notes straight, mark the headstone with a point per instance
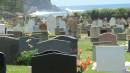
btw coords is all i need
(128, 33)
(112, 21)
(60, 22)
(99, 23)
(51, 23)
(118, 21)
(53, 62)
(16, 34)
(121, 36)
(128, 21)
(2, 28)
(94, 32)
(30, 26)
(59, 31)
(73, 42)
(27, 43)
(9, 46)
(54, 44)
(94, 23)
(108, 37)
(118, 30)
(2, 63)
(40, 35)
(110, 59)
(128, 45)
(72, 25)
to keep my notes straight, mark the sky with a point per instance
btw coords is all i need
(87, 2)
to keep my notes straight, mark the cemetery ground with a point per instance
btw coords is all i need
(86, 47)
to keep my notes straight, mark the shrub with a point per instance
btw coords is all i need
(25, 57)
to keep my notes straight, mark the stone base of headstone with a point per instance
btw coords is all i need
(59, 31)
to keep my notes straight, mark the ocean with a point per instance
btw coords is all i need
(89, 7)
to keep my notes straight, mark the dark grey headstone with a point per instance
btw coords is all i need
(9, 46)
(53, 62)
(2, 63)
(54, 44)
(40, 35)
(16, 34)
(24, 44)
(73, 41)
(128, 45)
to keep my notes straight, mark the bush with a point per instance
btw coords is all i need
(25, 57)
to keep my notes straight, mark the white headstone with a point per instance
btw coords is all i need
(110, 58)
(99, 23)
(61, 23)
(94, 23)
(2, 28)
(51, 23)
(112, 21)
(29, 27)
(17, 28)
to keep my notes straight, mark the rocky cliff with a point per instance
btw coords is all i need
(44, 5)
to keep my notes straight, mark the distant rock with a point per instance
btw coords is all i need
(44, 5)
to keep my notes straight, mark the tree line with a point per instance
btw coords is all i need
(106, 13)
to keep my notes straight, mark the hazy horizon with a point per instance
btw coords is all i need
(87, 2)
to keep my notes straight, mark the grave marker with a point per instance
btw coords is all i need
(73, 42)
(107, 38)
(9, 46)
(110, 58)
(54, 44)
(53, 62)
(2, 63)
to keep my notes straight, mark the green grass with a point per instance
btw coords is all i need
(17, 69)
(86, 47)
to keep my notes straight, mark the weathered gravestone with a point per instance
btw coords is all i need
(128, 33)
(94, 32)
(121, 36)
(16, 34)
(55, 44)
(107, 38)
(128, 45)
(110, 58)
(9, 46)
(27, 43)
(118, 30)
(59, 31)
(2, 63)
(53, 62)
(40, 35)
(73, 42)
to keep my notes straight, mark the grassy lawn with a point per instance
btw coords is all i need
(17, 69)
(86, 47)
